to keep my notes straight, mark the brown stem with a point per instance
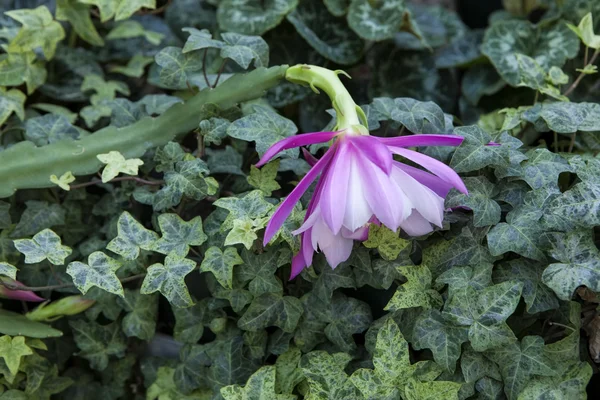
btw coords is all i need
(55, 287)
(220, 72)
(120, 179)
(581, 75)
(561, 325)
(204, 68)
(572, 142)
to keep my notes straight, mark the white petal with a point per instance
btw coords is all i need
(423, 199)
(416, 225)
(358, 211)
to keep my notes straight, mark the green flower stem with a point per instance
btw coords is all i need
(25, 166)
(350, 117)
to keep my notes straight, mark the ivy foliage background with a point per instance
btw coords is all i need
(157, 281)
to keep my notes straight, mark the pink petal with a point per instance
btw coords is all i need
(437, 167)
(298, 264)
(360, 234)
(295, 141)
(423, 199)
(416, 225)
(339, 250)
(374, 150)
(438, 185)
(286, 207)
(357, 212)
(335, 188)
(24, 295)
(423, 140)
(310, 159)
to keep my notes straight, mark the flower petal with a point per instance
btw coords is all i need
(357, 212)
(310, 159)
(335, 188)
(423, 140)
(374, 150)
(437, 167)
(416, 225)
(438, 185)
(298, 264)
(295, 141)
(338, 251)
(423, 199)
(286, 207)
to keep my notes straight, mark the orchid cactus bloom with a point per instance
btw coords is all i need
(24, 295)
(360, 181)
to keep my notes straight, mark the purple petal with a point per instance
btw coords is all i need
(416, 225)
(438, 185)
(423, 199)
(437, 167)
(335, 188)
(295, 141)
(310, 159)
(374, 150)
(358, 212)
(298, 264)
(360, 234)
(24, 295)
(286, 207)
(423, 140)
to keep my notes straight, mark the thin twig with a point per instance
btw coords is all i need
(204, 68)
(581, 75)
(561, 325)
(220, 72)
(62, 286)
(120, 179)
(555, 141)
(572, 142)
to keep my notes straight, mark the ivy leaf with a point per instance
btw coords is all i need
(131, 237)
(259, 270)
(486, 211)
(288, 372)
(214, 130)
(536, 294)
(326, 377)
(245, 49)
(416, 292)
(200, 39)
(11, 101)
(578, 206)
(474, 153)
(543, 168)
(260, 386)
(571, 383)
(178, 235)
(44, 245)
(9, 270)
(264, 178)
(386, 241)
(271, 309)
(461, 52)
(39, 30)
(221, 264)
(506, 39)
(135, 66)
(105, 90)
(252, 206)
(64, 180)
(329, 36)
(79, 17)
(475, 365)
(142, 314)
(416, 390)
(132, 29)
(377, 21)
(432, 331)
(265, 128)
(521, 233)
(585, 31)
(417, 116)
(251, 17)
(228, 364)
(98, 342)
(177, 68)
(330, 279)
(12, 349)
(168, 279)
(49, 128)
(520, 362)
(243, 232)
(337, 7)
(189, 322)
(37, 216)
(18, 68)
(99, 271)
(579, 264)
(119, 9)
(164, 387)
(116, 163)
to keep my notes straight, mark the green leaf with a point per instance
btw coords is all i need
(178, 235)
(520, 362)
(99, 271)
(116, 164)
(245, 49)
(585, 31)
(337, 7)
(105, 90)
(142, 314)
(481, 191)
(265, 128)
(214, 130)
(326, 377)
(251, 17)
(474, 153)
(11, 101)
(571, 384)
(131, 237)
(11, 350)
(504, 40)
(98, 342)
(579, 263)
(9, 270)
(252, 206)
(169, 279)
(37, 216)
(39, 30)
(417, 292)
(164, 386)
(135, 66)
(44, 245)
(387, 242)
(264, 178)
(288, 372)
(521, 233)
(432, 331)
(377, 21)
(64, 180)
(228, 364)
(475, 365)
(243, 232)
(132, 29)
(543, 168)
(177, 68)
(79, 17)
(200, 39)
(221, 264)
(330, 279)
(578, 206)
(18, 68)
(417, 116)
(463, 51)
(259, 271)
(119, 9)
(260, 386)
(271, 309)
(329, 36)
(432, 390)
(189, 322)
(14, 324)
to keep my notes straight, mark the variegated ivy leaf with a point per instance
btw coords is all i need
(252, 17)
(79, 17)
(543, 167)
(504, 40)
(9, 270)
(572, 382)
(377, 21)
(37, 216)
(11, 101)
(387, 242)
(131, 29)
(416, 292)
(252, 206)
(135, 67)
(64, 180)
(177, 68)
(264, 178)
(271, 309)
(474, 153)
(577, 207)
(337, 7)
(142, 313)
(416, 390)
(325, 375)
(486, 211)
(169, 279)
(221, 264)
(131, 237)
(49, 128)
(12, 349)
(261, 385)
(259, 271)
(119, 9)
(98, 342)
(39, 30)
(178, 235)
(99, 272)
(243, 232)
(564, 117)
(18, 68)
(116, 164)
(105, 90)
(585, 31)
(44, 245)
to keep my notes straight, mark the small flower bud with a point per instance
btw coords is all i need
(24, 295)
(66, 306)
